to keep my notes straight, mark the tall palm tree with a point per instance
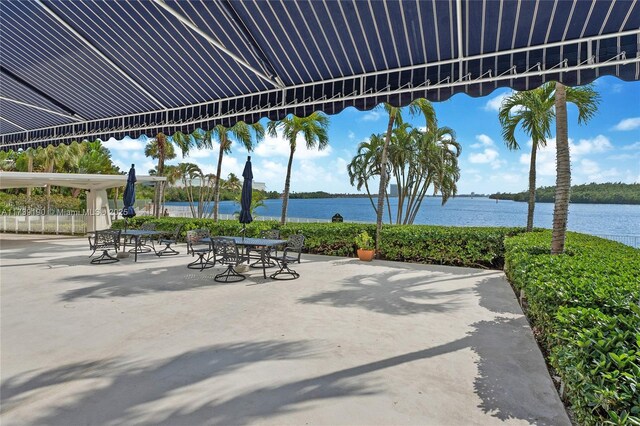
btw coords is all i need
(314, 132)
(418, 106)
(241, 132)
(366, 164)
(587, 100)
(533, 110)
(436, 165)
(161, 149)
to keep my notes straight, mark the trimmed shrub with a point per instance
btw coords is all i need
(585, 305)
(444, 245)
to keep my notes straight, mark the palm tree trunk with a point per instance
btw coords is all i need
(216, 184)
(161, 139)
(116, 193)
(285, 195)
(29, 169)
(383, 181)
(563, 173)
(532, 186)
(159, 190)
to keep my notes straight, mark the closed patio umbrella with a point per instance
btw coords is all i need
(245, 197)
(129, 197)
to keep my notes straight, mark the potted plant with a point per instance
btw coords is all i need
(365, 246)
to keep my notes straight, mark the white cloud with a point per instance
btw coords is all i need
(623, 157)
(602, 176)
(278, 147)
(145, 167)
(351, 135)
(589, 167)
(546, 156)
(545, 159)
(126, 144)
(628, 124)
(271, 172)
(483, 140)
(204, 153)
(487, 156)
(632, 177)
(495, 103)
(633, 146)
(590, 146)
(372, 115)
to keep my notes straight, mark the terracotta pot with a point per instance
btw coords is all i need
(366, 255)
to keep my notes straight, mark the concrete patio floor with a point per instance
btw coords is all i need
(349, 342)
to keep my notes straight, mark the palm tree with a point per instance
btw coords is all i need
(314, 131)
(395, 117)
(533, 110)
(587, 100)
(240, 132)
(24, 162)
(233, 183)
(161, 149)
(417, 159)
(366, 164)
(436, 165)
(50, 157)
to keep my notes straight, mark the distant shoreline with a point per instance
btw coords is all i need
(592, 193)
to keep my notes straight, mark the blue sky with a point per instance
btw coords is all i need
(606, 149)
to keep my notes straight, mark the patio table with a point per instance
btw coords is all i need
(264, 244)
(137, 234)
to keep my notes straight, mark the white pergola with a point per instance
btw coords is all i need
(96, 185)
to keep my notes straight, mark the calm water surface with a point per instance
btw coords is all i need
(611, 219)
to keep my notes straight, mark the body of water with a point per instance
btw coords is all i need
(596, 219)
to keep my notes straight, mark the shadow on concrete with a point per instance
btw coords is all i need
(396, 292)
(504, 384)
(124, 283)
(512, 381)
(134, 384)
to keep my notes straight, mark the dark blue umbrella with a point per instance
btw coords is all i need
(245, 197)
(129, 197)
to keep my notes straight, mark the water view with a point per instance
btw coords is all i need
(597, 219)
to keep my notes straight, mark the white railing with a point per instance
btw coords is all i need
(630, 240)
(63, 224)
(185, 211)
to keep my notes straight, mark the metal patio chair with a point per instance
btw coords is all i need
(228, 253)
(143, 241)
(203, 249)
(270, 234)
(168, 240)
(105, 240)
(290, 254)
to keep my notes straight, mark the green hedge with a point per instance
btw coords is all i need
(585, 305)
(446, 245)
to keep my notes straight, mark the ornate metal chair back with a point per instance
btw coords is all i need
(270, 234)
(147, 226)
(195, 236)
(226, 251)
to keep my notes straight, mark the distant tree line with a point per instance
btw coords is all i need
(592, 193)
(322, 194)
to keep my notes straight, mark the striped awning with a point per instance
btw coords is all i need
(98, 69)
